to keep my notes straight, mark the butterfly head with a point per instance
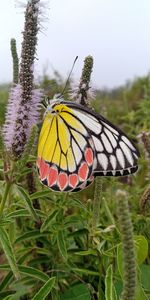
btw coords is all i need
(54, 106)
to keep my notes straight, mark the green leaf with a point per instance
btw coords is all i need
(45, 289)
(77, 292)
(6, 294)
(8, 278)
(62, 244)
(8, 250)
(86, 252)
(34, 234)
(141, 245)
(85, 271)
(18, 213)
(140, 294)
(41, 194)
(48, 220)
(145, 276)
(23, 173)
(27, 198)
(110, 292)
(4, 283)
(32, 272)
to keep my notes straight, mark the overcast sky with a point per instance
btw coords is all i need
(115, 32)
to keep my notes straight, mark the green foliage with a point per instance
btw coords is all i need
(77, 292)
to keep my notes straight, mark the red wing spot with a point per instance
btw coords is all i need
(83, 171)
(43, 169)
(52, 176)
(62, 180)
(73, 180)
(89, 156)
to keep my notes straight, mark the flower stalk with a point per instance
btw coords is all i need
(96, 202)
(15, 61)
(24, 100)
(4, 199)
(82, 93)
(129, 262)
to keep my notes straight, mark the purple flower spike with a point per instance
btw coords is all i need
(20, 119)
(23, 106)
(11, 116)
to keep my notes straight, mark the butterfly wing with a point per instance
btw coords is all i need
(76, 144)
(65, 152)
(115, 154)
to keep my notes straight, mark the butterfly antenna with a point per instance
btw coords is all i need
(68, 77)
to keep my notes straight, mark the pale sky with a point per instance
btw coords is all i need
(115, 32)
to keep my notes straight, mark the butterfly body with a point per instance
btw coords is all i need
(76, 144)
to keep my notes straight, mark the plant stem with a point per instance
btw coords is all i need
(96, 202)
(126, 229)
(7, 189)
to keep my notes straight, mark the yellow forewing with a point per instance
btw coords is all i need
(44, 133)
(55, 138)
(48, 140)
(57, 153)
(64, 135)
(63, 162)
(73, 122)
(71, 161)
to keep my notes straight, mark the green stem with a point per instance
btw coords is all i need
(4, 199)
(96, 202)
(109, 214)
(126, 229)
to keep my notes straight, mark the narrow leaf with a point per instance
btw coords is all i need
(45, 289)
(40, 194)
(32, 272)
(7, 247)
(27, 198)
(62, 244)
(48, 220)
(110, 292)
(34, 234)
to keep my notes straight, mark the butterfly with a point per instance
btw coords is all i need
(77, 144)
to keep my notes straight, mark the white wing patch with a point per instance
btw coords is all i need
(111, 138)
(111, 128)
(120, 158)
(98, 145)
(113, 161)
(77, 152)
(103, 160)
(127, 152)
(128, 143)
(106, 143)
(91, 124)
